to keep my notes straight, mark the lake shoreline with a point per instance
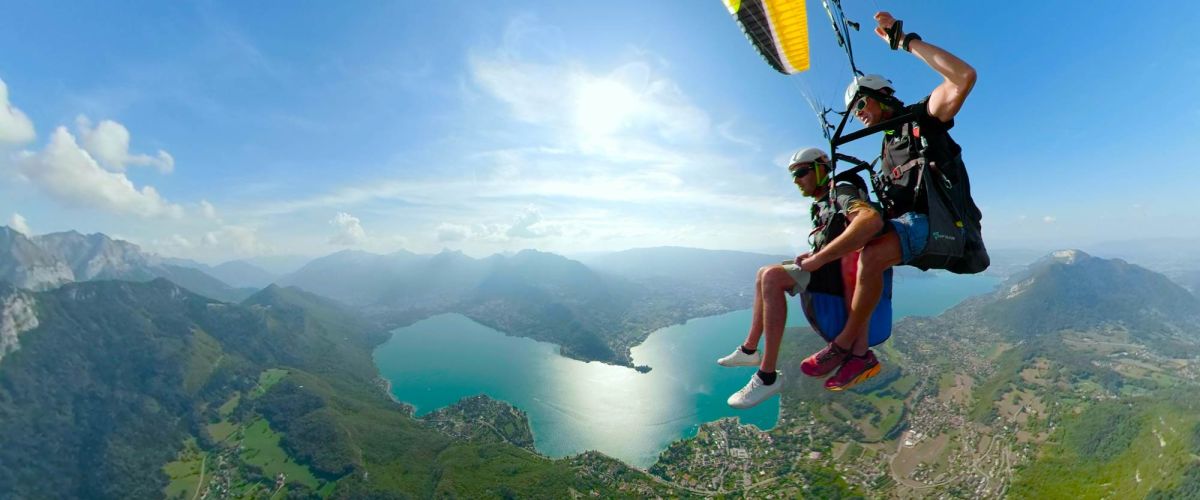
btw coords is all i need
(573, 406)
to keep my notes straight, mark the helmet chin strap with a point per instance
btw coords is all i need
(822, 174)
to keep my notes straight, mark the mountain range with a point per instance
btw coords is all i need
(47, 261)
(116, 389)
(116, 384)
(236, 273)
(1047, 387)
(595, 310)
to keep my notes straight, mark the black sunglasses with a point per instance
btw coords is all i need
(802, 171)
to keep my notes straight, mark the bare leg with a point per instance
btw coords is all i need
(775, 284)
(876, 258)
(756, 318)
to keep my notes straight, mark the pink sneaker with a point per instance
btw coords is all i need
(824, 361)
(854, 371)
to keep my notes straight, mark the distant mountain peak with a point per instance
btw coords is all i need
(1069, 256)
(1071, 290)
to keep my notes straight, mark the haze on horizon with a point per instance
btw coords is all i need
(217, 131)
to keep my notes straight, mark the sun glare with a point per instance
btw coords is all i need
(603, 107)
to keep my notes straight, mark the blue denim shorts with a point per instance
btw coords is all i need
(913, 230)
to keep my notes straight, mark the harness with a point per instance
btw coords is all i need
(829, 220)
(937, 187)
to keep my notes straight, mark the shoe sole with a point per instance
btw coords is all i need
(752, 405)
(870, 372)
(732, 365)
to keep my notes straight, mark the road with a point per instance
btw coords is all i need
(199, 485)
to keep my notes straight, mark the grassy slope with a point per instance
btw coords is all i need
(1067, 470)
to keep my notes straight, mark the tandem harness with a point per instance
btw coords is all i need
(940, 191)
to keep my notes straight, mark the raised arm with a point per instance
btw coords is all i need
(958, 76)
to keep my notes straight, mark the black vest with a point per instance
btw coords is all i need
(910, 147)
(921, 157)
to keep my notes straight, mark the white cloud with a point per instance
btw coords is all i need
(18, 223)
(66, 172)
(208, 210)
(529, 225)
(575, 140)
(108, 142)
(632, 101)
(15, 127)
(447, 232)
(1049, 219)
(240, 240)
(349, 230)
(173, 246)
(597, 108)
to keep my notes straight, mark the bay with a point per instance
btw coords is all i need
(574, 406)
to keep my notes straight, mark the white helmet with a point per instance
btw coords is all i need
(809, 155)
(873, 82)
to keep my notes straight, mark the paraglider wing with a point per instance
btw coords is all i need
(777, 28)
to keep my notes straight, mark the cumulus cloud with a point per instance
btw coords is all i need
(208, 210)
(19, 224)
(528, 225)
(447, 232)
(108, 142)
(68, 173)
(15, 127)
(1049, 219)
(349, 230)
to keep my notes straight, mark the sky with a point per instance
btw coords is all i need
(226, 130)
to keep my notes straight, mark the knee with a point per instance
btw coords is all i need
(761, 272)
(776, 277)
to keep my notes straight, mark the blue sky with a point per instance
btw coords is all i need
(225, 130)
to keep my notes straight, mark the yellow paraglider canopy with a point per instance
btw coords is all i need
(777, 28)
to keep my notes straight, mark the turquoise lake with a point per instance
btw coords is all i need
(575, 406)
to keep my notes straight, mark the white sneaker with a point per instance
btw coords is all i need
(739, 358)
(755, 392)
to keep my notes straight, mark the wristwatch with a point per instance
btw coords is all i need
(908, 38)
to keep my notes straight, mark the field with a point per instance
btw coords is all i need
(927, 451)
(267, 379)
(261, 448)
(184, 472)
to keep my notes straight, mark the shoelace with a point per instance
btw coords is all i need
(750, 387)
(827, 353)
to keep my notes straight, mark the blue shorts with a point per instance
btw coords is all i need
(913, 230)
